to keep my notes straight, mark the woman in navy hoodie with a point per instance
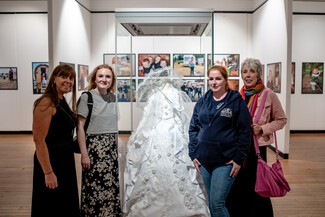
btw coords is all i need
(219, 136)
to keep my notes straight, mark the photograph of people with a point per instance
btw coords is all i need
(229, 61)
(159, 179)
(125, 91)
(100, 186)
(219, 138)
(8, 80)
(151, 62)
(189, 64)
(242, 199)
(312, 78)
(194, 88)
(40, 76)
(274, 77)
(122, 64)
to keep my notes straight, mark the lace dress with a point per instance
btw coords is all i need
(160, 179)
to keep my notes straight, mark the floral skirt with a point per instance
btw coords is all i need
(100, 191)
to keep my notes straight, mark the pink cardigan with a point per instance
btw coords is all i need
(272, 119)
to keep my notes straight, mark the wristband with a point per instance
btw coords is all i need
(48, 173)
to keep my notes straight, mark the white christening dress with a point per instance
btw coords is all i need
(160, 179)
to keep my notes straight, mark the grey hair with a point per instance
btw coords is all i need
(252, 63)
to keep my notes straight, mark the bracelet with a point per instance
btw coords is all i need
(48, 172)
(84, 157)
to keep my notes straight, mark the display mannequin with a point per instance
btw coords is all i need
(160, 178)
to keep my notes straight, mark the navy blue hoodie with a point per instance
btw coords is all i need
(224, 137)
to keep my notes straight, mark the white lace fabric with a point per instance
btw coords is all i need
(160, 178)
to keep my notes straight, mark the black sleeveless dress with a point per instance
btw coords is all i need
(64, 200)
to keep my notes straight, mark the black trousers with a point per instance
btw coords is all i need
(242, 201)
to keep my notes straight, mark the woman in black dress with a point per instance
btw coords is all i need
(55, 189)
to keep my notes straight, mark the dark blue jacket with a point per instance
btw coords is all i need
(226, 137)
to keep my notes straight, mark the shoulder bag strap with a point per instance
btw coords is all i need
(90, 109)
(257, 118)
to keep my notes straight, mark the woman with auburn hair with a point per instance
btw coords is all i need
(219, 138)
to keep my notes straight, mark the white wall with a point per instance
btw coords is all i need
(23, 40)
(307, 110)
(269, 38)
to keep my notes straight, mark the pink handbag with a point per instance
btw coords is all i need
(270, 181)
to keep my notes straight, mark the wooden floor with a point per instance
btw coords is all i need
(305, 171)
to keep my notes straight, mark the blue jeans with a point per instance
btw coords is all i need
(217, 181)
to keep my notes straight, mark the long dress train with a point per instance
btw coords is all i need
(160, 178)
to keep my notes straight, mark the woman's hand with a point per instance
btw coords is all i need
(235, 168)
(197, 165)
(85, 162)
(51, 181)
(257, 129)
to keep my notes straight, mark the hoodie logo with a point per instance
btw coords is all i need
(226, 112)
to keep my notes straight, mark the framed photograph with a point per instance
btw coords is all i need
(70, 64)
(189, 64)
(229, 61)
(8, 78)
(194, 88)
(293, 73)
(274, 77)
(125, 90)
(233, 84)
(123, 64)
(152, 62)
(312, 77)
(263, 73)
(83, 72)
(41, 76)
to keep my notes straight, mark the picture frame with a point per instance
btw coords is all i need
(274, 77)
(189, 65)
(233, 84)
(293, 75)
(8, 78)
(312, 77)
(70, 64)
(194, 88)
(83, 73)
(152, 62)
(40, 76)
(122, 63)
(230, 61)
(125, 90)
(263, 73)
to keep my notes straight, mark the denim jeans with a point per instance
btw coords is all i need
(217, 181)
